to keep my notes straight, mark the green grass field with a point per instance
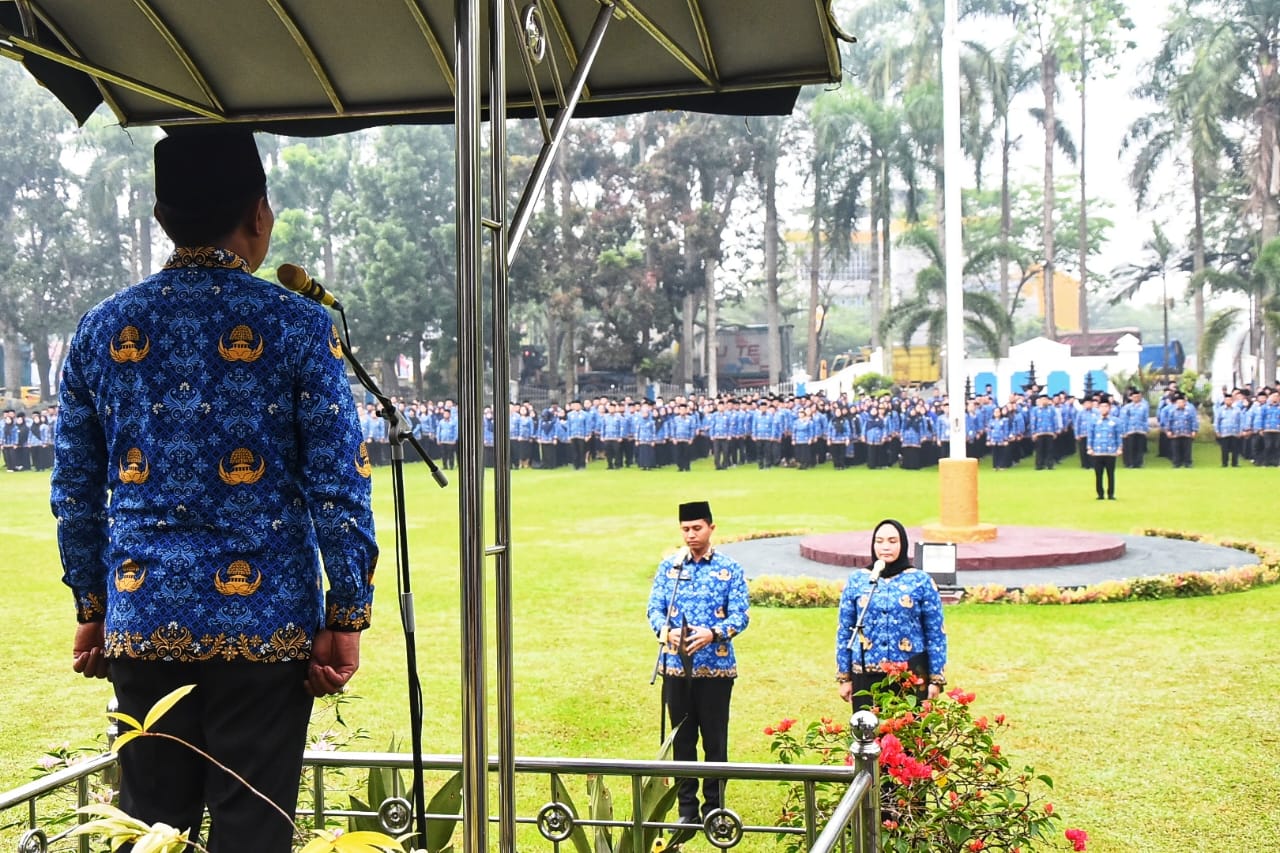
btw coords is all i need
(1156, 719)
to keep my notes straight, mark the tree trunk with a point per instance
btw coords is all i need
(1198, 261)
(771, 271)
(570, 359)
(40, 354)
(709, 362)
(1048, 85)
(873, 267)
(1006, 226)
(12, 345)
(145, 236)
(684, 367)
(815, 256)
(1083, 303)
(886, 269)
(1264, 189)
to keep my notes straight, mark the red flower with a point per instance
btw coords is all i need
(977, 844)
(1048, 808)
(995, 750)
(1077, 837)
(768, 730)
(786, 724)
(960, 696)
(890, 825)
(981, 723)
(999, 719)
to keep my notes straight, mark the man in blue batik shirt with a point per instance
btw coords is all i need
(1104, 440)
(698, 604)
(208, 458)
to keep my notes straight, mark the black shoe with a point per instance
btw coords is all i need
(1111, 497)
(1099, 497)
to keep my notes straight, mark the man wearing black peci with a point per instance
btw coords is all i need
(698, 604)
(208, 462)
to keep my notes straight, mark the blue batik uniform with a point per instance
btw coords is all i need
(218, 406)
(721, 425)
(1228, 419)
(711, 593)
(1183, 422)
(1105, 436)
(904, 619)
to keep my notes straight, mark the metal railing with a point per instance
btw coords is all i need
(853, 826)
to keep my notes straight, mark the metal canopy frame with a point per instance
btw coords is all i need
(184, 84)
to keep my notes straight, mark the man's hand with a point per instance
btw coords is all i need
(335, 657)
(88, 652)
(697, 637)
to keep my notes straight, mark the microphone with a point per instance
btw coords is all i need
(876, 570)
(295, 278)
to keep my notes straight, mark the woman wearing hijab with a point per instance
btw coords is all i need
(901, 621)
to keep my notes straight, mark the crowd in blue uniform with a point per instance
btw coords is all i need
(27, 439)
(909, 430)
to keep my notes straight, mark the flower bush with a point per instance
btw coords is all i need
(946, 785)
(776, 591)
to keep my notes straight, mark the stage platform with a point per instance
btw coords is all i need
(1013, 548)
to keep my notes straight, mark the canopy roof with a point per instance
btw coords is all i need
(323, 66)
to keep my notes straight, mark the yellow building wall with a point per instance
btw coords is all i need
(1066, 299)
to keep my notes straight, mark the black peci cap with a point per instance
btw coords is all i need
(208, 169)
(695, 511)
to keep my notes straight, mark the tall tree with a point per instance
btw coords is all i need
(1191, 83)
(1005, 74)
(1098, 23)
(1048, 24)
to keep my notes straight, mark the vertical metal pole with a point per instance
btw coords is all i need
(953, 163)
(475, 811)
(866, 759)
(559, 127)
(501, 344)
(810, 814)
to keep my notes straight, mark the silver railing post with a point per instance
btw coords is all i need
(866, 759)
(475, 808)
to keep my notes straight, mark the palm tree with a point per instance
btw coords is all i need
(1187, 126)
(1096, 49)
(1006, 75)
(1249, 30)
(1160, 259)
(985, 319)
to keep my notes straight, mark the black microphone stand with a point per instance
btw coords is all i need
(662, 642)
(857, 625)
(398, 434)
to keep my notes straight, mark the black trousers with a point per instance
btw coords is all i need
(721, 448)
(251, 717)
(1180, 451)
(700, 706)
(1107, 465)
(1230, 445)
(1045, 457)
(1135, 447)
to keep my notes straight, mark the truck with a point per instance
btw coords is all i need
(917, 365)
(742, 355)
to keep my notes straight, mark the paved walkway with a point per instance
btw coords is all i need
(1144, 556)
